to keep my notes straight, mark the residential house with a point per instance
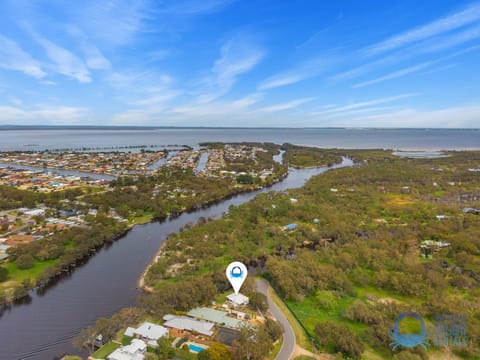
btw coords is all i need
(237, 300)
(3, 248)
(135, 351)
(3, 257)
(148, 332)
(35, 212)
(15, 240)
(182, 324)
(215, 316)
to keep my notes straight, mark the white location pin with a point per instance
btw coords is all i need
(236, 274)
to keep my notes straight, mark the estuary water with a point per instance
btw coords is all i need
(398, 139)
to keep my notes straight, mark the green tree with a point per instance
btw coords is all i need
(215, 352)
(3, 274)
(164, 350)
(151, 356)
(24, 261)
(339, 338)
(257, 300)
(253, 344)
(245, 179)
(274, 329)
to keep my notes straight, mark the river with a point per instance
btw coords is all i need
(43, 327)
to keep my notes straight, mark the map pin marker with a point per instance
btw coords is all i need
(236, 274)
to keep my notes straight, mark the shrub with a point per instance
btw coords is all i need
(24, 261)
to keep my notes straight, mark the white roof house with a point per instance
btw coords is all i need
(135, 351)
(184, 323)
(237, 299)
(151, 331)
(130, 332)
(35, 212)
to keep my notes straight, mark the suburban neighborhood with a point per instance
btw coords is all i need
(194, 331)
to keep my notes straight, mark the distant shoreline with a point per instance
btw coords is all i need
(108, 127)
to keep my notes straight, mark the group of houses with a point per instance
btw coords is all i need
(25, 225)
(112, 163)
(201, 326)
(213, 162)
(43, 180)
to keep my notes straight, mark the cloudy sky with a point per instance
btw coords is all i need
(264, 63)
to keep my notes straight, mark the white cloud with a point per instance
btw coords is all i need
(395, 74)
(458, 38)
(363, 104)
(194, 7)
(12, 57)
(93, 57)
(218, 113)
(15, 101)
(238, 56)
(440, 26)
(115, 22)
(368, 67)
(282, 80)
(306, 70)
(467, 116)
(156, 99)
(286, 105)
(66, 63)
(132, 80)
(132, 117)
(53, 115)
(248, 100)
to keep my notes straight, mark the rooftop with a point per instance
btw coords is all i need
(134, 351)
(188, 324)
(216, 316)
(238, 299)
(148, 331)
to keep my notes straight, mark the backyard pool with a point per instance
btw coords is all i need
(195, 348)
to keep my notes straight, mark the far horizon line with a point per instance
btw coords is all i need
(146, 127)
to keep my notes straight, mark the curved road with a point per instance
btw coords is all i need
(289, 340)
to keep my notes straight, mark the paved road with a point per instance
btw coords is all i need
(289, 340)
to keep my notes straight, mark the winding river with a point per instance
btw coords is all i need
(43, 327)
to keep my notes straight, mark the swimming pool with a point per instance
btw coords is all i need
(195, 348)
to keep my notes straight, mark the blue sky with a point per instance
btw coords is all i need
(240, 63)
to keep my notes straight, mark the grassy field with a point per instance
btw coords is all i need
(301, 337)
(105, 350)
(135, 220)
(16, 275)
(310, 311)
